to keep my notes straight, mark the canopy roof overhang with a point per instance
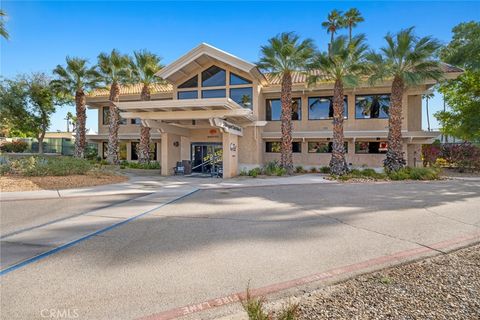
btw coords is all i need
(175, 111)
(202, 56)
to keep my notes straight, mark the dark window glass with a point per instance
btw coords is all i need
(106, 116)
(372, 106)
(322, 108)
(153, 151)
(104, 149)
(217, 93)
(274, 109)
(190, 83)
(371, 147)
(133, 151)
(322, 147)
(275, 147)
(136, 121)
(236, 80)
(213, 77)
(122, 153)
(242, 96)
(187, 95)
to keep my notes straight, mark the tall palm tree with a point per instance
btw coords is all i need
(114, 69)
(333, 24)
(73, 81)
(3, 31)
(427, 97)
(144, 67)
(344, 66)
(406, 60)
(282, 56)
(351, 19)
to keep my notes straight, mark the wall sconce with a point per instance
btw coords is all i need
(176, 143)
(233, 147)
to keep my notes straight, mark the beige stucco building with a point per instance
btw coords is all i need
(215, 101)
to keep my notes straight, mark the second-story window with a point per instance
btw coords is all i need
(187, 95)
(374, 106)
(274, 109)
(321, 108)
(214, 77)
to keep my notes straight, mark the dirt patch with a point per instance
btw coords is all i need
(443, 287)
(15, 183)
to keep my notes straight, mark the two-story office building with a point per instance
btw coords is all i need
(215, 101)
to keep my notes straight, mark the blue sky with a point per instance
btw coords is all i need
(43, 33)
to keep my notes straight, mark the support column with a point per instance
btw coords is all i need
(230, 155)
(170, 152)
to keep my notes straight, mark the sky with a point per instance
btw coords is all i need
(43, 33)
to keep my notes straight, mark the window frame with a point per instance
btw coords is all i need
(379, 142)
(279, 99)
(372, 94)
(328, 143)
(345, 99)
(279, 142)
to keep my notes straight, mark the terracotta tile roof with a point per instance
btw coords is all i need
(449, 68)
(132, 90)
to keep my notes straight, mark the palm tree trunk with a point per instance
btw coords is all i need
(330, 44)
(112, 149)
(80, 141)
(428, 117)
(349, 33)
(338, 164)
(395, 160)
(286, 117)
(143, 151)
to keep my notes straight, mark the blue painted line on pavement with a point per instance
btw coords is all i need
(74, 242)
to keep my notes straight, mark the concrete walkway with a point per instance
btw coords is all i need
(195, 254)
(20, 248)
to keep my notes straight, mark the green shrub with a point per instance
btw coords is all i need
(271, 168)
(415, 174)
(152, 165)
(299, 169)
(254, 172)
(243, 172)
(313, 170)
(17, 146)
(255, 309)
(47, 166)
(325, 169)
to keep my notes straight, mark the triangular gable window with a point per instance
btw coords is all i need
(236, 79)
(190, 83)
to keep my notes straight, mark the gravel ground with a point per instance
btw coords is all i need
(13, 183)
(443, 287)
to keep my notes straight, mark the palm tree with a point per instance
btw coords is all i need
(333, 23)
(3, 31)
(427, 97)
(283, 55)
(351, 19)
(114, 69)
(343, 66)
(406, 60)
(144, 67)
(73, 81)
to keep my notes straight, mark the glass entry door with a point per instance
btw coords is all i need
(204, 155)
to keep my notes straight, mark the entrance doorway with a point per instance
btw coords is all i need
(205, 155)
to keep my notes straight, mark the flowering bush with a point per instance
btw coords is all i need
(16, 146)
(465, 156)
(430, 154)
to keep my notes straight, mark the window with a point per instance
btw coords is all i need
(371, 147)
(153, 151)
(322, 147)
(104, 149)
(136, 121)
(133, 151)
(122, 152)
(214, 77)
(320, 108)
(106, 117)
(242, 96)
(275, 147)
(190, 83)
(216, 93)
(274, 109)
(236, 79)
(187, 94)
(372, 106)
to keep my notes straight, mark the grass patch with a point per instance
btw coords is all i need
(255, 309)
(34, 166)
(402, 174)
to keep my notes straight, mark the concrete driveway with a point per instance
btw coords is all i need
(195, 254)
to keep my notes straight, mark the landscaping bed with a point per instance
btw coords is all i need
(50, 173)
(18, 183)
(442, 287)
